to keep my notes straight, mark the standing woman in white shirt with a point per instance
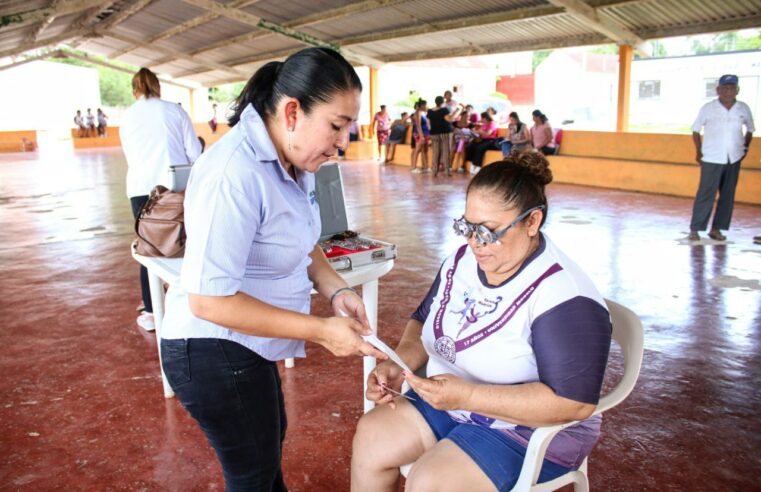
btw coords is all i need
(155, 134)
(251, 260)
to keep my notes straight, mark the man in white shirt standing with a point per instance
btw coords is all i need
(719, 154)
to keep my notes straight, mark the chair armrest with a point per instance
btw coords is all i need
(537, 447)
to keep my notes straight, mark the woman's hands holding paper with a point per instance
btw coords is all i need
(343, 337)
(386, 374)
(442, 392)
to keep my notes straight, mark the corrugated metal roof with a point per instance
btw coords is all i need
(668, 13)
(392, 30)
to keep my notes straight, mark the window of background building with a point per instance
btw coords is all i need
(711, 87)
(650, 89)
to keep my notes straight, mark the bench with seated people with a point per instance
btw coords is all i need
(18, 141)
(111, 139)
(646, 162)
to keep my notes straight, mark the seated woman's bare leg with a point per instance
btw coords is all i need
(446, 467)
(386, 439)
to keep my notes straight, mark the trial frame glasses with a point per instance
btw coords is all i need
(483, 234)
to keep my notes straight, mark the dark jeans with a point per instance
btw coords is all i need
(547, 150)
(713, 178)
(235, 396)
(508, 146)
(475, 151)
(137, 204)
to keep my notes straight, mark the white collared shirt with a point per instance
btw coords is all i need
(723, 136)
(250, 228)
(155, 134)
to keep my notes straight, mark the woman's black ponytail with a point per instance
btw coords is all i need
(312, 75)
(257, 91)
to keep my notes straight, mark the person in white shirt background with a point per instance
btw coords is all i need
(719, 154)
(155, 134)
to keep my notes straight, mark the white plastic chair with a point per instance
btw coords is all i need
(628, 333)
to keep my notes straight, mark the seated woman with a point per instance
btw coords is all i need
(518, 135)
(398, 134)
(541, 134)
(463, 135)
(487, 140)
(513, 336)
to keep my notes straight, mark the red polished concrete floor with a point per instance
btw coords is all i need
(82, 406)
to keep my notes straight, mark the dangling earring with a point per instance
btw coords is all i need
(290, 131)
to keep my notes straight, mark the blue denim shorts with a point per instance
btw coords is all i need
(500, 457)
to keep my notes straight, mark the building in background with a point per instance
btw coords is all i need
(43, 95)
(576, 84)
(666, 93)
(472, 80)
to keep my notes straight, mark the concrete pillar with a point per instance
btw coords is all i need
(624, 87)
(373, 92)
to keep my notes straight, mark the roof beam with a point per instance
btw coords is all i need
(256, 21)
(32, 37)
(510, 47)
(432, 27)
(704, 28)
(589, 16)
(24, 61)
(272, 55)
(114, 19)
(175, 54)
(328, 15)
(65, 7)
(188, 24)
(90, 16)
(453, 24)
(447, 25)
(43, 43)
(95, 61)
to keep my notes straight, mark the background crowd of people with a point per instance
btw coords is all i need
(448, 134)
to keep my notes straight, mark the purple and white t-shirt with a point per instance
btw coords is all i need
(547, 323)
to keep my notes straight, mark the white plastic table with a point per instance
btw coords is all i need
(167, 270)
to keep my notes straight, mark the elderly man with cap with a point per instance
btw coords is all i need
(719, 154)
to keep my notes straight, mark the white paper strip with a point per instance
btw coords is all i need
(378, 343)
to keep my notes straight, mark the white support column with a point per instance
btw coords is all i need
(370, 298)
(157, 298)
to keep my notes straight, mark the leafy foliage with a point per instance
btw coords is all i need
(226, 93)
(115, 86)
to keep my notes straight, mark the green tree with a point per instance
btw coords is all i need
(225, 93)
(538, 57)
(115, 86)
(658, 50)
(412, 98)
(605, 49)
(726, 42)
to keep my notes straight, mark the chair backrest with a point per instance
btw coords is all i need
(628, 333)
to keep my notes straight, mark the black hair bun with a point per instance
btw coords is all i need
(534, 163)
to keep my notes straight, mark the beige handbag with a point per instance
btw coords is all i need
(160, 225)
